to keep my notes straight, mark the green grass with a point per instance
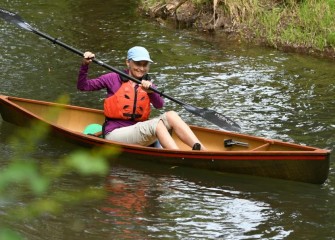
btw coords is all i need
(309, 24)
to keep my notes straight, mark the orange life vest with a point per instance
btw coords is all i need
(129, 103)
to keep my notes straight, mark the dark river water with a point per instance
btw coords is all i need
(272, 94)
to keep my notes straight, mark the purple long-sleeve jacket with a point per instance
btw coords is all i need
(111, 82)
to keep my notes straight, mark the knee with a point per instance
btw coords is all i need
(173, 118)
(172, 115)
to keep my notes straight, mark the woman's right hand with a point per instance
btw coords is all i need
(88, 57)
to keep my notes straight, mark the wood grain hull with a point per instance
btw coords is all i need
(259, 157)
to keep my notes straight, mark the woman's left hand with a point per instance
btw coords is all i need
(146, 85)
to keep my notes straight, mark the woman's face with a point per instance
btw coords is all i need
(138, 69)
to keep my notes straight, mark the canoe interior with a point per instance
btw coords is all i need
(75, 119)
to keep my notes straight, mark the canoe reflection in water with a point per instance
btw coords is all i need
(127, 205)
(125, 199)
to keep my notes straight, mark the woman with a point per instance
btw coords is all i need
(127, 113)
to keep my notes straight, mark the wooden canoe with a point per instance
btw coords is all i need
(228, 152)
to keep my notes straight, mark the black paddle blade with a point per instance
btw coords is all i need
(214, 117)
(14, 18)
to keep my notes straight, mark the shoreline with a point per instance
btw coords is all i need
(257, 28)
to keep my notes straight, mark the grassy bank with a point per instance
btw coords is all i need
(295, 25)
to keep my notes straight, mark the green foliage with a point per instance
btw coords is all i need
(23, 173)
(27, 176)
(8, 234)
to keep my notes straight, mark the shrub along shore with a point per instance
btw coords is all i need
(305, 26)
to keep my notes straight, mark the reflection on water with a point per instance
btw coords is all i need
(175, 208)
(189, 205)
(179, 203)
(271, 94)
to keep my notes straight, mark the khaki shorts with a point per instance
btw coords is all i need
(141, 133)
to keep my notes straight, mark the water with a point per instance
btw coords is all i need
(271, 94)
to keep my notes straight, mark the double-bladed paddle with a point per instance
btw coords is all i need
(210, 115)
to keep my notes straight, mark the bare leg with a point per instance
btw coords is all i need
(164, 137)
(182, 130)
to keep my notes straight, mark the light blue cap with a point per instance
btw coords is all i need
(138, 54)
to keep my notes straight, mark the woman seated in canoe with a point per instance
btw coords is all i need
(127, 111)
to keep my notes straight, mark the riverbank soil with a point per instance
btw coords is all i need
(275, 23)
